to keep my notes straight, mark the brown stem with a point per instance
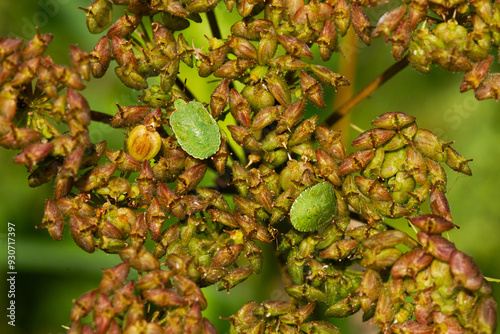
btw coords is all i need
(100, 117)
(345, 108)
(214, 27)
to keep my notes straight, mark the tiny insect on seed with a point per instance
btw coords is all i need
(314, 207)
(143, 144)
(195, 129)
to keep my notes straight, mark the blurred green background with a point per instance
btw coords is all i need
(50, 274)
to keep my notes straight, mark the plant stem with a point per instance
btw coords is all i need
(345, 108)
(214, 27)
(99, 116)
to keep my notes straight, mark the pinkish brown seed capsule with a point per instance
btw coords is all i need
(465, 270)
(432, 224)
(436, 245)
(361, 24)
(411, 263)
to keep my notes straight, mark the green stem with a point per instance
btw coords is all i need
(346, 107)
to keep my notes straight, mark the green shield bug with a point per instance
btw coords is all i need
(195, 129)
(314, 207)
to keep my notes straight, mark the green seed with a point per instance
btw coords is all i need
(196, 131)
(314, 207)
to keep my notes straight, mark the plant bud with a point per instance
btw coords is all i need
(401, 39)
(99, 16)
(328, 40)
(139, 259)
(387, 239)
(243, 48)
(47, 80)
(223, 217)
(451, 60)
(219, 98)
(234, 277)
(437, 173)
(436, 245)
(101, 57)
(327, 167)
(339, 250)
(83, 305)
(279, 88)
(432, 224)
(267, 47)
(10, 66)
(212, 60)
(361, 24)
(344, 308)
(214, 198)
(252, 229)
(81, 230)
(306, 292)
(394, 162)
(284, 63)
(169, 201)
(411, 263)
(8, 46)
(373, 138)
(233, 69)
(53, 220)
(389, 22)
(130, 77)
(393, 120)
(245, 138)
(329, 77)
(311, 89)
(465, 271)
(125, 25)
(356, 161)
(378, 260)
(33, 154)
(476, 75)
(266, 116)
(250, 208)
(330, 141)
(258, 96)
(26, 72)
(188, 180)
(489, 88)
(385, 312)
(246, 29)
(164, 297)
(240, 109)
(416, 165)
(369, 290)
(439, 204)
(319, 327)
(295, 47)
(342, 16)
(298, 316)
(227, 255)
(36, 46)
(291, 116)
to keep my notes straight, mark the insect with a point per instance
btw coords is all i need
(314, 207)
(143, 144)
(195, 129)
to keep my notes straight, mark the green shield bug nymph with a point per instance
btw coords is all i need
(314, 207)
(195, 129)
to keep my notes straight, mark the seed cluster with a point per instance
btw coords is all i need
(146, 203)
